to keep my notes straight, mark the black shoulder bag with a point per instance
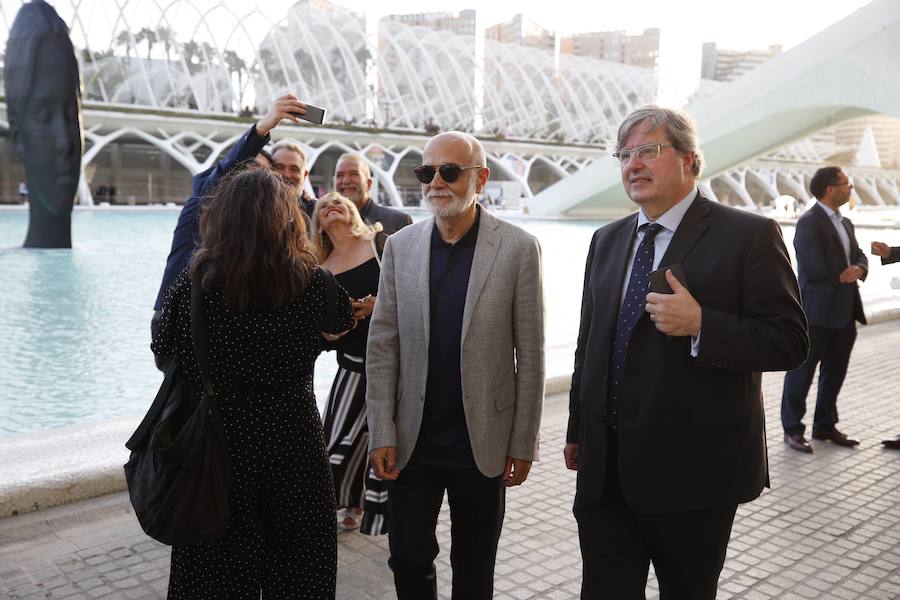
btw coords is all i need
(179, 472)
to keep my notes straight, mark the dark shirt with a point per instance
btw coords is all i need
(444, 437)
(307, 205)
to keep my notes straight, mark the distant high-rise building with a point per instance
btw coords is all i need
(522, 31)
(462, 23)
(641, 50)
(727, 65)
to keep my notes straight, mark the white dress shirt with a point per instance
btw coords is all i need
(669, 220)
(838, 223)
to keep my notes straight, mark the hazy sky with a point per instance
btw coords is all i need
(684, 24)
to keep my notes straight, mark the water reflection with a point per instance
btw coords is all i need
(74, 332)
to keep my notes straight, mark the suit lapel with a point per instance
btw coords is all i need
(423, 289)
(612, 261)
(486, 247)
(826, 222)
(691, 228)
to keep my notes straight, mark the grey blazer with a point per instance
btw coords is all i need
(502, 352)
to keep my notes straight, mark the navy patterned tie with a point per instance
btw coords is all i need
(631, 311)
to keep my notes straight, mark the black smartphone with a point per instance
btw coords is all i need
(314, 114)
(658, 281)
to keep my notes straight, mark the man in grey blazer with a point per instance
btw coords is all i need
(455, 370)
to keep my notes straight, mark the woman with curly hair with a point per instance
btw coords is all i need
(351, 249)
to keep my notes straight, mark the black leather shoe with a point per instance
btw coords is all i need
(796, 441)
(893, 444)
(835, 437)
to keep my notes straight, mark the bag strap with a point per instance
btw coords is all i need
(330, 298)
(200, 337)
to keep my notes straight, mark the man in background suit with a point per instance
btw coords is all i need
(455, 371)
(888, 256)
(666, 424)
(353, 179)
(829, 263)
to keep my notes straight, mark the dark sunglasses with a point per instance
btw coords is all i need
(449, 173)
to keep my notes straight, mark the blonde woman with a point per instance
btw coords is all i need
(351, 249)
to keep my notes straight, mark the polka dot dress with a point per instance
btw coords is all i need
(281, 536)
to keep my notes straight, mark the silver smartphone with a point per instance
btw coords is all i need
(314, 114)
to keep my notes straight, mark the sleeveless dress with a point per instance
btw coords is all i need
(346, 431)
(281, 539)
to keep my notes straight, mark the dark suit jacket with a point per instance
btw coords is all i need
(691, 431)
(820, 259)
(186, 237)
(390, 218)
(894, 256)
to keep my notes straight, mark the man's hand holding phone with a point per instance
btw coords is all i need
(287, 107)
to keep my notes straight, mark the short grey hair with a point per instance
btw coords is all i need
(680, 129)
(360, 160)
(293, 147)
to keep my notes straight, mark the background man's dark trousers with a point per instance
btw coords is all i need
(477, 507)
(831, 348)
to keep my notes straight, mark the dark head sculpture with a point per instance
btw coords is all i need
(43, 100)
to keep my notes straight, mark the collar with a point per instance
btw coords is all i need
(672, 217)
(468, 239)
(828, 210)
(367, 207)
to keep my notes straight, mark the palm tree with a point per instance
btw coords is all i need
(125, 39)
(236, 66)
(150, 36)
(167, 37)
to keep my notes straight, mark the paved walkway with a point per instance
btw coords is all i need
(829, 528)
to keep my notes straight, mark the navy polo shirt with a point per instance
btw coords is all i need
(444, 437)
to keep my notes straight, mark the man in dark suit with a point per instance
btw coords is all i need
(829, 263)
(889, 255)
(353, 179)
(666, 424)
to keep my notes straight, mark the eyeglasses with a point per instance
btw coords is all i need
(646, 152)
(449, 173)
(847, 183)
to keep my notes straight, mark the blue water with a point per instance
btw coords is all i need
(75, 324)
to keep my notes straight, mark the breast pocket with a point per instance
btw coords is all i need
(505, 397)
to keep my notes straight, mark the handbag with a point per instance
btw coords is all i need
(179, 471)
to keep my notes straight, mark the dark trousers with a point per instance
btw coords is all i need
(477, 505)
(617, 545)
(829, 348)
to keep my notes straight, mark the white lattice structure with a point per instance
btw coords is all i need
(171, 65)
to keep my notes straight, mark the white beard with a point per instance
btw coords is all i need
(443, 208)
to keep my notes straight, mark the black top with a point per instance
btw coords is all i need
(360, 281)
(444, 437)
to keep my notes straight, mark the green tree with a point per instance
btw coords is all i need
(148, 35)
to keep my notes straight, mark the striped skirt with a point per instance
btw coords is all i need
(347, 436)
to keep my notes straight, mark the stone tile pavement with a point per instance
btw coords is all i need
(828, 529)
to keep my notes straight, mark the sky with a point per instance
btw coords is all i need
(684, 24)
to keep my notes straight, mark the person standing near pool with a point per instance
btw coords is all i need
(186, 237)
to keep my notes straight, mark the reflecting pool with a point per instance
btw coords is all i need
(75, 325)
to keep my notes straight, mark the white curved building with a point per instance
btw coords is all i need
(187, 68)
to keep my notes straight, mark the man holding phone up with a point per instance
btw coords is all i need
(186, 237)
(666, 425)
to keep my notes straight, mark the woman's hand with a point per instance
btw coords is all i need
(362, 308)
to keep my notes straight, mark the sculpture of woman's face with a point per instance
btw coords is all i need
(48, 138)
